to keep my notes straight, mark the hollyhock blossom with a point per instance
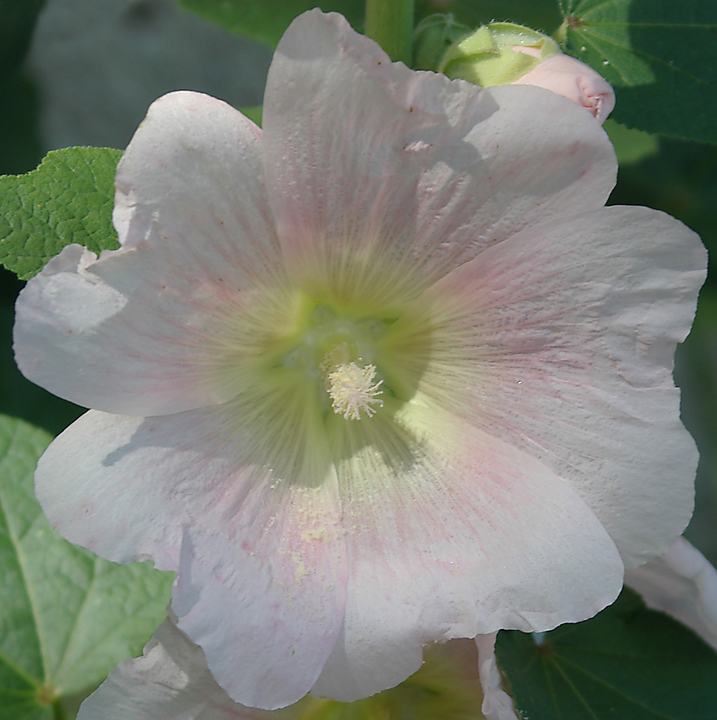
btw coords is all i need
(384, 373)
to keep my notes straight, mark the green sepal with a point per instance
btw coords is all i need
(486, 57)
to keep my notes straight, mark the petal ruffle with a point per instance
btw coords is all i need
(383, 179)
(683, 584)
(497, 704)
(158, 326)
(560, 342)
(259, 550)
(453, 533)
(170, 681)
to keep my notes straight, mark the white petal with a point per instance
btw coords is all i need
(170, 681)
(683, 584)
(152, 328)
(560, 341)
(452, 533)
(383, 179)
(497, 704)
(256, 540)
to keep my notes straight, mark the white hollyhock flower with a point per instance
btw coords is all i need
(507, 439)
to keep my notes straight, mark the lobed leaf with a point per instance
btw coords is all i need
(66, 617)
(659, 55)
(67, 199)
(626, 663)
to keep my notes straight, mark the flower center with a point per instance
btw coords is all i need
(350, 385)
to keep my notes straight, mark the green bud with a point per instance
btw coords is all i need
(488, 56)
(432, 37)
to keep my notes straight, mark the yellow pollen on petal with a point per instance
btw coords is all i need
(353, 391)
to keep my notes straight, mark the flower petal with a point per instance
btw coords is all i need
(411, 174)
(560, 341)
(497, 704)
(170, 681)
(257, 544)
(453, 533)
(151, 328)
(683, 584)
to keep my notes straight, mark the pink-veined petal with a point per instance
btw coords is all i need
(497, 704)
(683, 584)
(560, 341)
(382, 179)
(151, 329)
(255, 537)
(453, 533)
(170, 681)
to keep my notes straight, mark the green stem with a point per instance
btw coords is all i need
(390, 24)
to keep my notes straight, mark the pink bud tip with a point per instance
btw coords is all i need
(575, 80)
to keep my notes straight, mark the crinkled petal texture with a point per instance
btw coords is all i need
(410, 174)
(147, 329)
(435, 508)
(528, 446)
(566, 334)
(259, 550)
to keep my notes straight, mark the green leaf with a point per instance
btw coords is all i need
(266, 20)
(66, 617)
(659, 55)
(627, 663)
(67, 199)
(631, 146)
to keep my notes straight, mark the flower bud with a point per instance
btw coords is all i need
(504, 53)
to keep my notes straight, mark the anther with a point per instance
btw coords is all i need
(353, 391)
